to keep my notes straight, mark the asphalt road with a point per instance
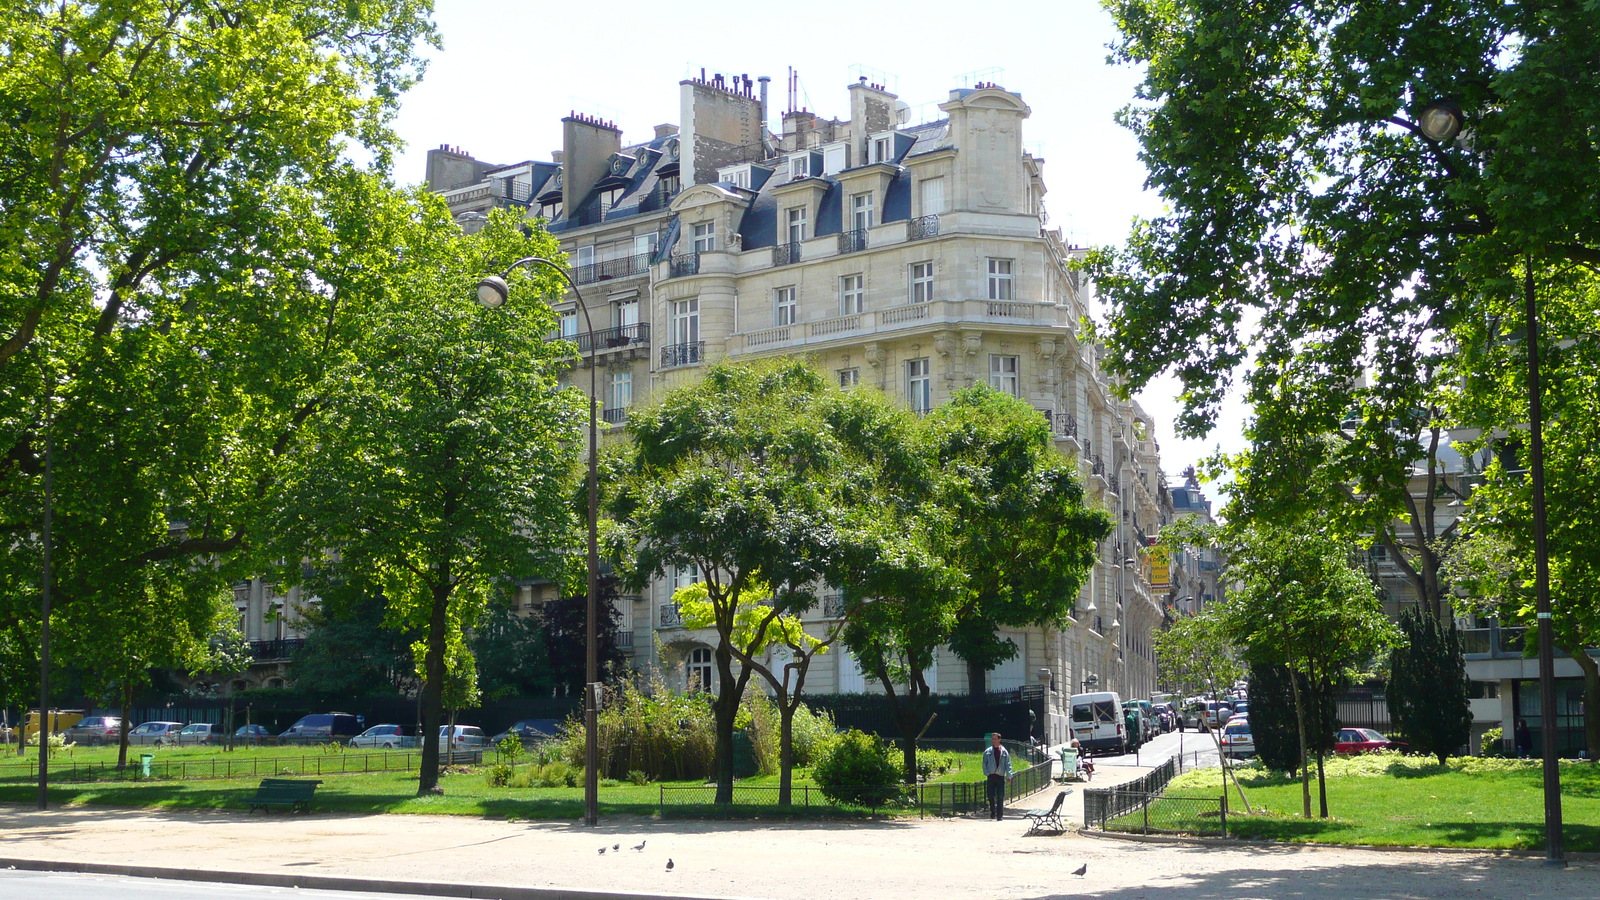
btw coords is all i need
(20, 885)
(1197, 747)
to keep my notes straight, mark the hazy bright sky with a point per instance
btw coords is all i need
(509, 71)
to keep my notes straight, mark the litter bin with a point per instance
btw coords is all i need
(145, 759)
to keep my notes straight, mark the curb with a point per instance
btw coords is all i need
(341, 883)
(1581, 855)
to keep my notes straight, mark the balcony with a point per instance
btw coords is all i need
(922, 228)
(833, 606)
(895, 318)
(686, 354)
(683, 265)
(1097, 466)
(638, 264)
(622, 640)
(658, 198)
(670, 617)
(283, 648)
(853, 241)
(615, 415)
(602, 339)
(785, 254)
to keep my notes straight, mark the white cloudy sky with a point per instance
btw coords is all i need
(511, 69)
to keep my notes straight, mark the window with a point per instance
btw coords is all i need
(583, 256)
(921, 282)
(861, 212)
(569, 325)
(932, 196)
(1000, 279)
(851, 679)
(799, 166)
(919, 385)
(686, 321)
(1003, 374)
(621, 390)
(705, 237)
(882, 149)
(797, 224)
(645, 244)
(683, 576)
(698, 671)
(849, 378)
(628, 316)
(669, 184)
(608, 199)
(738, 177)
(852, 296)
(783, 307)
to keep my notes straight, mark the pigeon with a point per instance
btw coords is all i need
(669, 865)
(1080, 870)
(602, 851)
(616, 846)
(639, 846)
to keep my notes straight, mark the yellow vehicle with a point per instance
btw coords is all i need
(60, 720)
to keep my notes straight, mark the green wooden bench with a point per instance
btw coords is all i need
(294, 793)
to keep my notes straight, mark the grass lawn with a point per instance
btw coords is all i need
(1393, 800)
(467, 792)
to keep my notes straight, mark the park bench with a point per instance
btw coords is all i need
(294, 793)
(1047, 818)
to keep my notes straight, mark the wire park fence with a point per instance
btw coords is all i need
(1144, 806)
(227, 766)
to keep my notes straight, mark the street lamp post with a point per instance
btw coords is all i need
(1440, 122)
(493, 292)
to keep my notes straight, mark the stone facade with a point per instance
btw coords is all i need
(914, 257)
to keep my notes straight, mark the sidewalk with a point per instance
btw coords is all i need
(956, 858)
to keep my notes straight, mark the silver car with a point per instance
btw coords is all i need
(158, 733)
(387, 737)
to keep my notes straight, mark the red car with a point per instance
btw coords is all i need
(1364, 740)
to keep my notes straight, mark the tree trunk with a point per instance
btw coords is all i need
(1305, 763)
(977, 681)
(1322, 786)
(726, 709)
(1591, 701)
(126, 696)
(786, 712)
(433, 692)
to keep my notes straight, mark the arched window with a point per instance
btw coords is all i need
(699, 670)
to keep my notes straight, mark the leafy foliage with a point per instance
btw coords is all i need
(858, 770)
(1428, 686)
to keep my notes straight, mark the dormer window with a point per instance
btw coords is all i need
(799, 166)
(608, 199)
(882, 150)
(738, 176)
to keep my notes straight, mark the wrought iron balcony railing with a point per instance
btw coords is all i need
(637, 264)
(282, 648)
(921, 228)
(852, 241)
(634, 335)
(684, 264)
(615, 415)
(687, 354)
(784, 254)
(670, 617)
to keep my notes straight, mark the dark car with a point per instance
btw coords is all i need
(530, 731)
(251, 734)
(202, 733)
(322, 728)
(93, 730)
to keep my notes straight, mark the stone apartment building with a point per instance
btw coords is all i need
(911, 256)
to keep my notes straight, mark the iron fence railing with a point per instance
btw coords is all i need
(1168, 814)
(683, 354)
(615, 415)
(683, 264)
(613, 338)
(922, 227)
(1097, 466)
(852, 241)
(670, 617)
(279, 649)
(636, 264)
(658, 198)
(225, 765)
(1102, 804)
(784, 254)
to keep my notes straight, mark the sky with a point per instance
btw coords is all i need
(509, 71)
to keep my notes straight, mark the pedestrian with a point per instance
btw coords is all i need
(1085, 764)
(1524, 739)
(997, 771)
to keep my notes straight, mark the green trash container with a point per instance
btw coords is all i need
(145, 759)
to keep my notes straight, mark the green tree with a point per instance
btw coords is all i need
(174, 208)
(1273, 725)
(1298, 603)
(752, 477)
(348, 649)
(1428, 685)
(439, 463)
(1196, 653)
(1016, 523)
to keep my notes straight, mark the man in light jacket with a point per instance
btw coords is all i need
(997, 771)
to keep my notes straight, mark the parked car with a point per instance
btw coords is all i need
(1216, 713)
(1364, 740)
(1168, 717)
(251, 734)
(1192, 714)
(464, 739)
(157, 733)
(387, 737)
(93, 730)
(1241, 707)
(202, 733)
(1149, 727)
(322, 728)
(1237, 742)
(531, 731)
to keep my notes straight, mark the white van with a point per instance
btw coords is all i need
(1097, 722)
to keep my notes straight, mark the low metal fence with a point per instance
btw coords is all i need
(228, 766)
(1168, 814)
(960, 798)
(1103, 804)
(701, 800)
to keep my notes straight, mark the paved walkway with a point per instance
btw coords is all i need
(955, 858)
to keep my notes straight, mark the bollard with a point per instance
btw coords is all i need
(145, 759)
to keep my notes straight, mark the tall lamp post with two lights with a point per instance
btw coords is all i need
(1440, 122)
(493, 292)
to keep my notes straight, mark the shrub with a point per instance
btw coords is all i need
(509, 748)
(765, 727)
(500, 775)
(858, 770)
(934, 762)
(814, 733)
(547, 775)
(636, 777)
(666, 735)
(1493, 742)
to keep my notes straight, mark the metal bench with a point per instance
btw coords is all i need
(293, 793)
(1041, 819)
